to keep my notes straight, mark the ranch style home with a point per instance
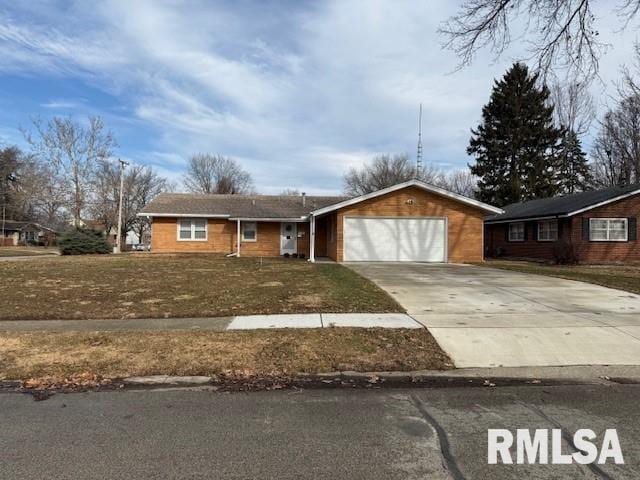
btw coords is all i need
(598, 226)
(410, 221)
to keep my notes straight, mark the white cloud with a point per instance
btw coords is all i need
(298, 93)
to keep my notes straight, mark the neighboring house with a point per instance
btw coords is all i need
(596, 226)
(97, 226)
(13, 233)
(411, 221)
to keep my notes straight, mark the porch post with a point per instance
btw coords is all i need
(238, 239)
(312, 239)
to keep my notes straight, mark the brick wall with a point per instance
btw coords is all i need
(221, 238)
(465, 223)
(571, 231)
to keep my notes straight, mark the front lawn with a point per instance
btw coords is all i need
(24, 251)
(247, 353)
(162, 286)
(623, 277)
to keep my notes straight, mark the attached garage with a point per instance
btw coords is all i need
(383, 239)
(408, 222)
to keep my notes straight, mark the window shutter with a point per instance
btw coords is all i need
(506, 232)
(632, 225)
(560, 228)
(525, 227)
(585, 228)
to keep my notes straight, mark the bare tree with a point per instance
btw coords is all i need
(72, 150)
(141, 184)
(574, 109)
(292, 192)
(384, 171)
(462, 182)
(208, 173)
(561, 34)
(616, 148)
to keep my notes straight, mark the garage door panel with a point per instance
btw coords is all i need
(394, 239)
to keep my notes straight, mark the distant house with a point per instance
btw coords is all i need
(97, 226)
(597, 227)
(13, 233)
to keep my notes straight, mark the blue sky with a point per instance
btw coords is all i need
(296, 92)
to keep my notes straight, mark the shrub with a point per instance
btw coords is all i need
(566, 253)
(83, 242)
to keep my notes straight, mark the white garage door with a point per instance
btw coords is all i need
(374, 239)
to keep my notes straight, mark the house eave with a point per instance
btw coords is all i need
(410, 183)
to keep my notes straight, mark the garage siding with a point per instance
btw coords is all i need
(465, 222)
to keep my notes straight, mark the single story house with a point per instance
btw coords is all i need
(13, 233)
(597, 226)
(410, 221)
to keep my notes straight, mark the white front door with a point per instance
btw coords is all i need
(288, 238)
(376, 239)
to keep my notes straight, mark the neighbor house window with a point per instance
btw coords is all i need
(516, 232)
(192, 229)
(608, 229)
(548, 231)
(249, 231)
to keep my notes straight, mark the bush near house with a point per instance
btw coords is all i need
(83, 242)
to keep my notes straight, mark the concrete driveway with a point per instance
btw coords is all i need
(484, 317)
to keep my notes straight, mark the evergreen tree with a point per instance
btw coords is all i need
(515, 142)
(574, 172)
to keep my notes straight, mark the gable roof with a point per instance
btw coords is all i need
(20, 225)
(236, 206)
(411, 183)
(277, 207)
(566, 205)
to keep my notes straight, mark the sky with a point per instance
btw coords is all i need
(297, 92)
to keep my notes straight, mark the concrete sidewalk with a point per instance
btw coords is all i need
(247, 322)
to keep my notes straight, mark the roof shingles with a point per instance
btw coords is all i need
(560, 206)
(238, 206)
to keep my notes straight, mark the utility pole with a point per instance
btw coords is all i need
(419, 154)
(118, 247)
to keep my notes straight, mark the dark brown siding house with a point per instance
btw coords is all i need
(410, 221)
(599, 226)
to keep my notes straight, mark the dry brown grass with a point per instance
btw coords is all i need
(623, 277)
(157, 286)
(25, 251)
(266, 352)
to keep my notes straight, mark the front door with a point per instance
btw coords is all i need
(288, 238)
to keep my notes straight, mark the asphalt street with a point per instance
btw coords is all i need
(336, 434)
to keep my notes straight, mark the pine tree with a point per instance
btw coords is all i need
(574, 172)
(515, 142)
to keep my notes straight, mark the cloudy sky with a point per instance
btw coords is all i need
(298, 92)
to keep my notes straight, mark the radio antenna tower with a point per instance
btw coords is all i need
(419, 155)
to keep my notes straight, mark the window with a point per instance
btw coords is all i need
(608, 229)
(516, 232)
(548, 231)
(249, 231)
(192, 229)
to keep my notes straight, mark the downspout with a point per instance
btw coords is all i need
(238, 239)
(312, 239)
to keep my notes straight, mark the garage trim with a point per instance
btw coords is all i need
(391, 217)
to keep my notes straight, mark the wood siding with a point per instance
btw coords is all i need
(465, 222)
(571, 231)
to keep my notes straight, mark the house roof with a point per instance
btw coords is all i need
(236, 206)
(564, 206)
(411, 183)
(16, 225)
(276, 206)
